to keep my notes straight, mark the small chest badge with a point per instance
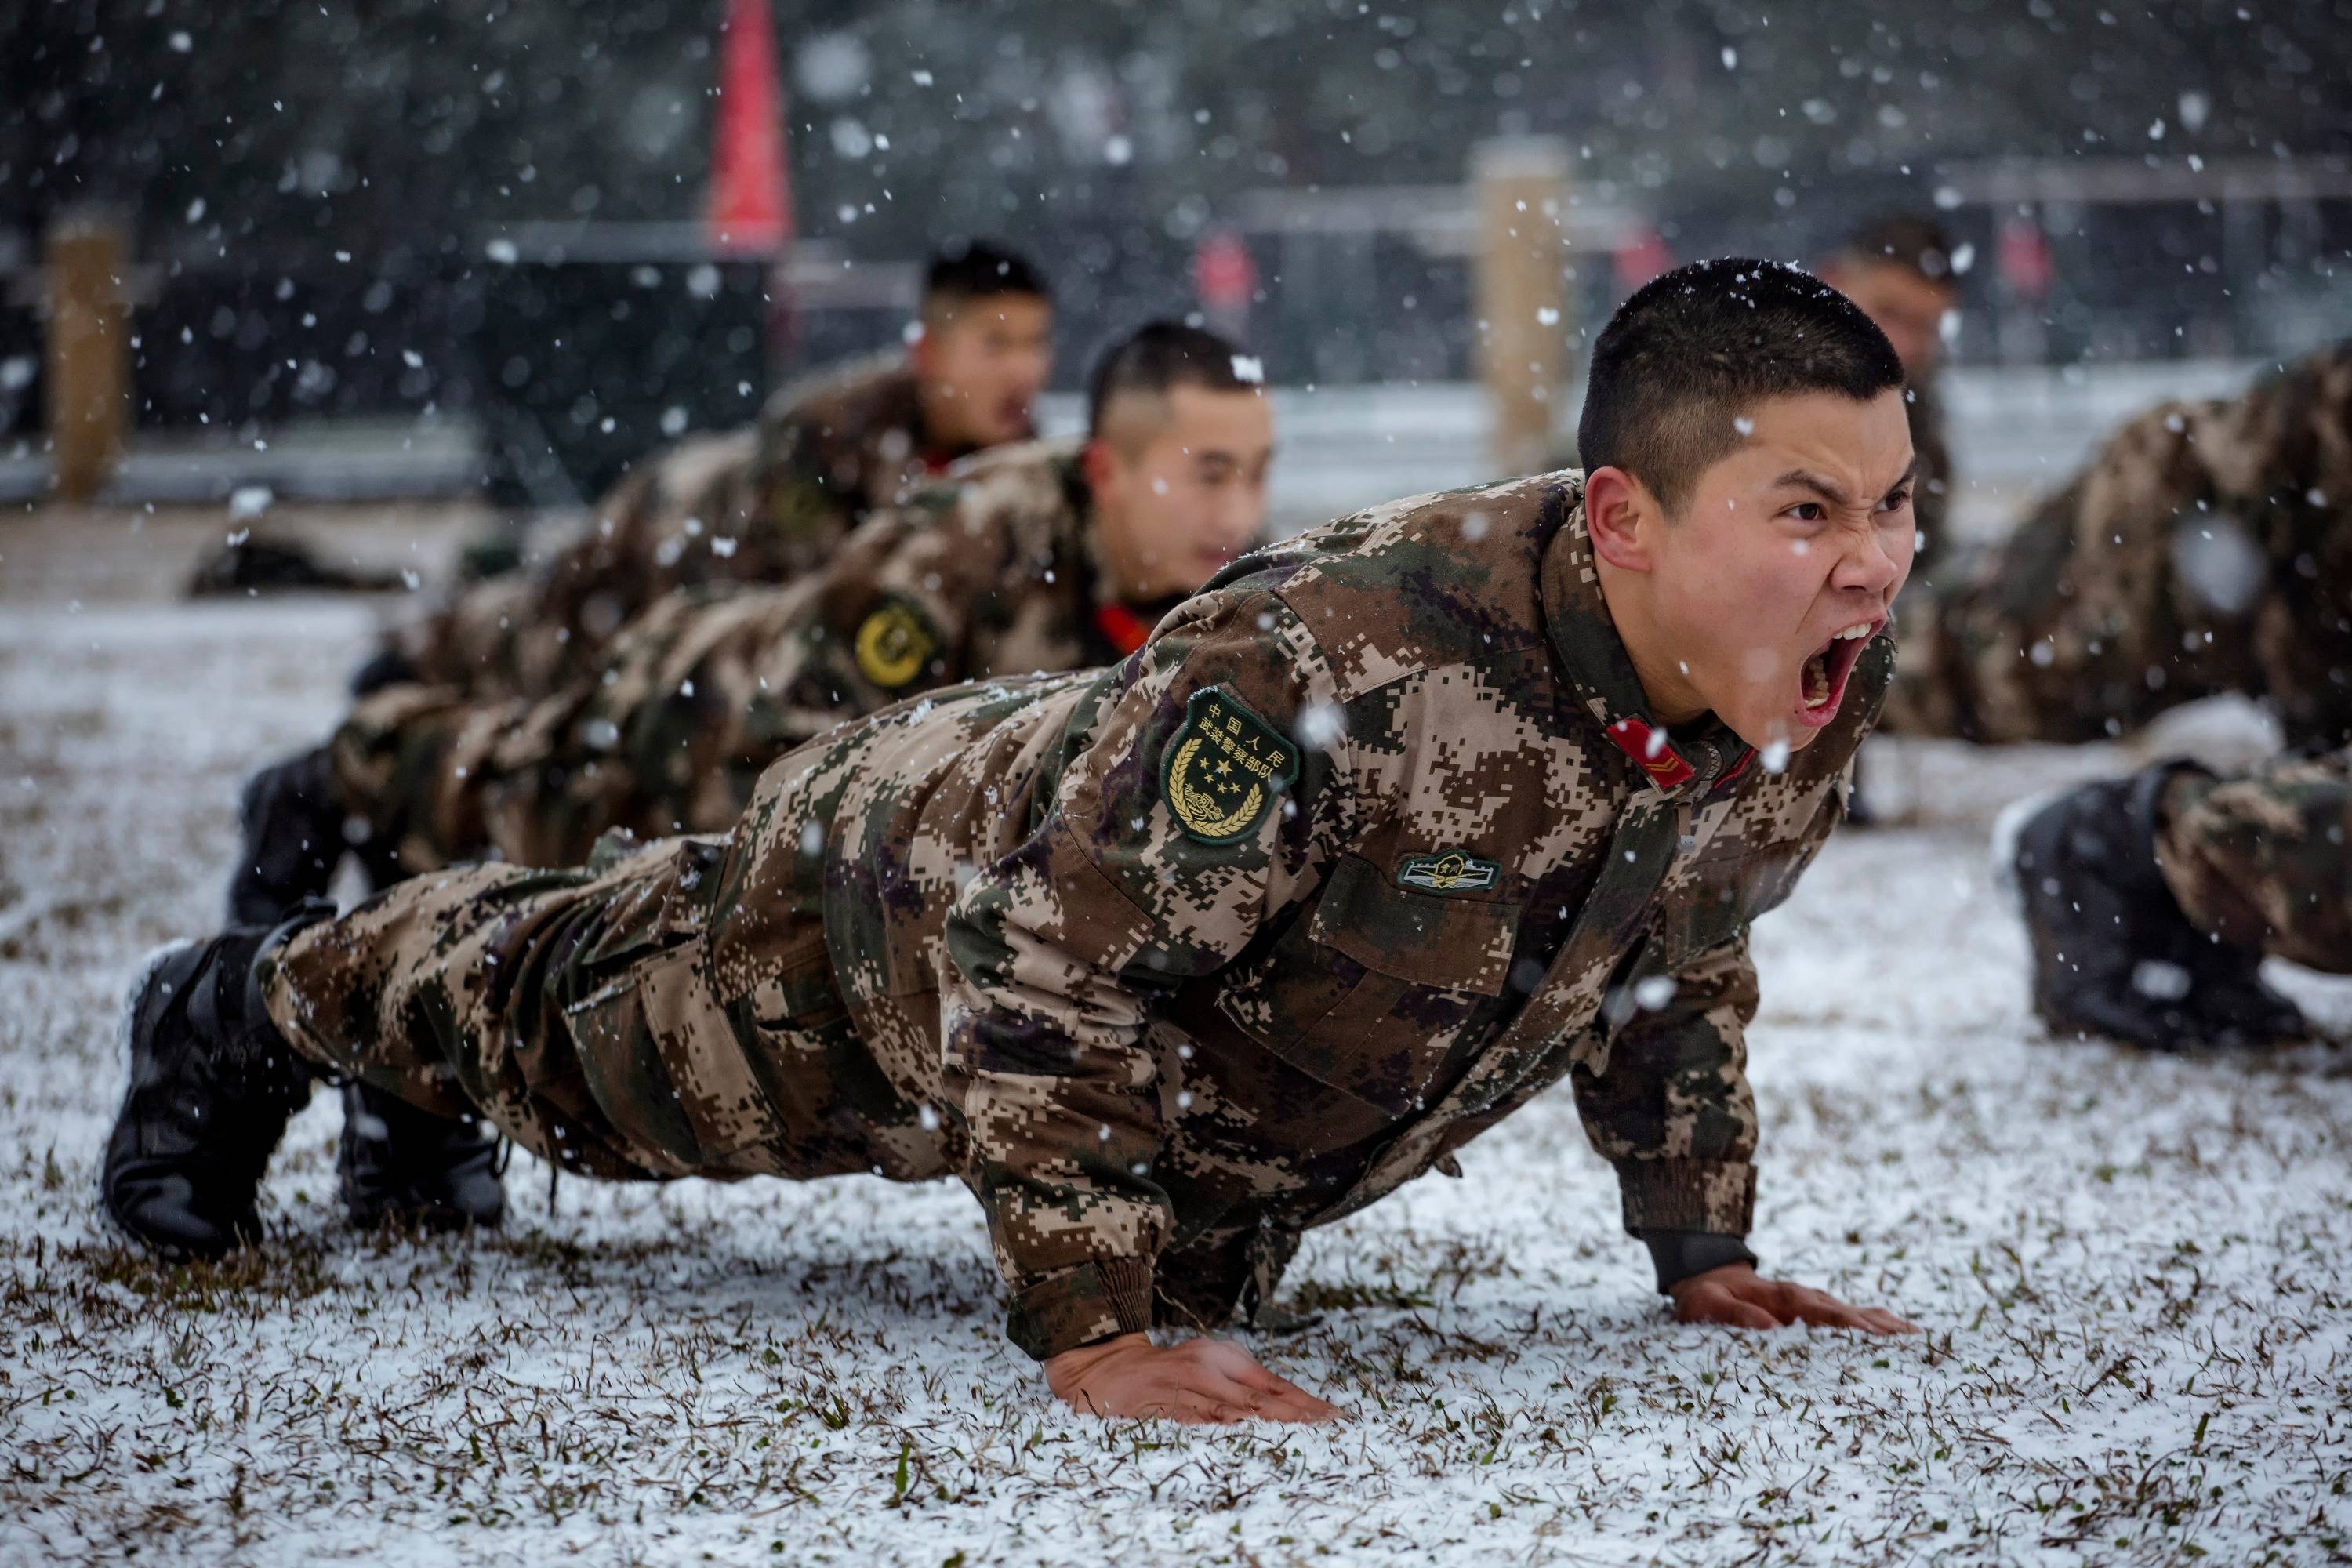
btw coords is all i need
(893, 645)
(1223, 768)
(1452, 872)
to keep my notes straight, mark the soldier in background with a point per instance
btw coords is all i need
(1042, 557)
(2152, 901)
(1898, 268)
(1383, 834)
(763, 505)
(2206, 549)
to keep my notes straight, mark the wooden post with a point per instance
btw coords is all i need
(1521, 189)
(88, 352)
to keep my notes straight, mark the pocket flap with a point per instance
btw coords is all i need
(1427, 939)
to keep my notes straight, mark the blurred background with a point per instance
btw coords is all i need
(355, 249)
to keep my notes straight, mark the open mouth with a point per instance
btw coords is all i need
(1825, 673)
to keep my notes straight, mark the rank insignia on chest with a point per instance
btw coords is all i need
(1452, 872)
(894, 643)
(1223, 769)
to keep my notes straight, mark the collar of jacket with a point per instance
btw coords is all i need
(1600, 671)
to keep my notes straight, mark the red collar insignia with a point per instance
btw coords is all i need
(1121, 627)
(1650, 750)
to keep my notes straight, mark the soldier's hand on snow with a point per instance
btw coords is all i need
(1199, 1381)
(1736, 1294)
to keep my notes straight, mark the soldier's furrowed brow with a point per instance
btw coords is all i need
(1910, 475)
(1805, 479)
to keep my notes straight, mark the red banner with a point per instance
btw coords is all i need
(751, 178)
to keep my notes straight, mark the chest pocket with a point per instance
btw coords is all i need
(1368, 992)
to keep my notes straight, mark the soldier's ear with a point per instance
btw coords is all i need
(1620, 518)
(923, 348)
(1099, 465)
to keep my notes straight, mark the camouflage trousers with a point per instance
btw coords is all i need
(639, 1018)
(605, 1019)
(668, 733)
(2261, 861)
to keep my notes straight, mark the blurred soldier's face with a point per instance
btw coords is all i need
(981, 365)
(1178, 484)
(1757, 600)
(1909, 308)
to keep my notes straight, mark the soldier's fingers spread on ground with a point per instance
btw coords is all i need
(1289, 1394)
(1294, 1406)
(1885, 1322)
(1211, 1387)
(1825, 1312)
(1200, 1415)
(1723, 1307)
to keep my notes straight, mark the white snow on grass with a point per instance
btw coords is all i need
(2135, 1273)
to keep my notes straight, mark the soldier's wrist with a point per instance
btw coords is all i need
(1080, 1306)
(1678, 1254)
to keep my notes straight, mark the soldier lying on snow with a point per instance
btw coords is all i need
(2206, 549)
(1386, 831)
(1037, 558)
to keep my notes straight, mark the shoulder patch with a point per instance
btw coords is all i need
(1452, 872)
(894, 643)
(1225, 768)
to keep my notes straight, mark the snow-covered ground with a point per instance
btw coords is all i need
(2135, 1273)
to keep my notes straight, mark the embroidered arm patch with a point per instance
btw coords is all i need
(1225, 768)
(894, 645)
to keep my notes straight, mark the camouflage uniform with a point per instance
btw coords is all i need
(2207, 549)
(1931, 489)
(990, 573)
(1372, 843)
(763, 505)
(2261, 862)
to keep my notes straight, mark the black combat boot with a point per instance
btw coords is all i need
(293, 833)
(402, 1166)
(212, 1085)
(2112, 954)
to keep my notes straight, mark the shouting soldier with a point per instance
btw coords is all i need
(1383, 833)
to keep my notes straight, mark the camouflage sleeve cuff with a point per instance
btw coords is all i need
(1077, 1306)
(1713, 1196)
(1679, 1254)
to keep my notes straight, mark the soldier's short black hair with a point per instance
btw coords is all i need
(1913, 241)
(972, 270)
(1683, 358)
(1159, 356)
